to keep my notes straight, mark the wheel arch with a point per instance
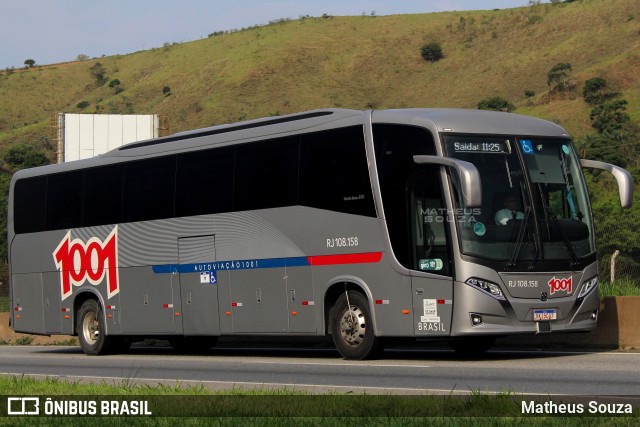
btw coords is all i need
(335, 288)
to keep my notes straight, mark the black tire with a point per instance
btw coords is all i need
(352, 327)
(90, 326)
(472, 347)
(192, 344)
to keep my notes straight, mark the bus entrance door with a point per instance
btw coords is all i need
(432, 305)
(198, 285)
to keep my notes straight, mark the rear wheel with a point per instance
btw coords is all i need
(352, 327)
(91, 329)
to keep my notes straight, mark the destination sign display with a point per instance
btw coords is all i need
(481, 147)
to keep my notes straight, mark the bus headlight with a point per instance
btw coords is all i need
(487, 287)
(588, 286)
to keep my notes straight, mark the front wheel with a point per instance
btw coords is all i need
(352, 327)
(91, 329)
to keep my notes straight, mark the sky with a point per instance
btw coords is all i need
(52, 31)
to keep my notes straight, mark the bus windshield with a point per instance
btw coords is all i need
(534, 199)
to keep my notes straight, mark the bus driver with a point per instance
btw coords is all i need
(509, 211)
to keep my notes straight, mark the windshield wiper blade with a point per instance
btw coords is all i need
(549, 214)
(521, 231)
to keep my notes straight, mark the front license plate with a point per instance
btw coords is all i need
(543, 315)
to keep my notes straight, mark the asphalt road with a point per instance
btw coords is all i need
(321, 370)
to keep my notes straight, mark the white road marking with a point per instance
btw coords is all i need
(228, 385)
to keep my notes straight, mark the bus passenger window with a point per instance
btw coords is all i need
(30, 195)
(204, 182)
(64, 200)
(102, 198)
(334, 173)
(148, 189)
(266, 174)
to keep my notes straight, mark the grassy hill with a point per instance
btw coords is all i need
(360, 62)
(353, 62)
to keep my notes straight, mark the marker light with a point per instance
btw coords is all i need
(588, 286)
(487, 287)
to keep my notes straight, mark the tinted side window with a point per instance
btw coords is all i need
(29, 200)
(205, 182)
(64, 200)
(267, 174)
(149, 189)
(102, 196)
(334, 174)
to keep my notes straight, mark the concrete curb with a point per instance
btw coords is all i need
(618, 328)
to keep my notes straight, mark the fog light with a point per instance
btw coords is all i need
(594, 315)
(476, 319)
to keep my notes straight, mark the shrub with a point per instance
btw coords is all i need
(496, 103)
(98, 72)
(559, 76)
(596, 91)
(166, 91)
(529, 93)
(431, 52)
(609, 119)
(82, 105)
(24, 340)
(23, 156)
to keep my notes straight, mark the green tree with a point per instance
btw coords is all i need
(609, 120)
(29, 63)
(598, 147)
(22, 156)
(559, 77)
(496, 103)
(594, 90)
(432, 52)
(616, 228)
(98, 72)
(18, 157)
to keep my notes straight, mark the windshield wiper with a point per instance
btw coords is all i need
(550, 214)
(521, 231)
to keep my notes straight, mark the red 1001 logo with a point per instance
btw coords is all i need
(560, 285)
(78, 262)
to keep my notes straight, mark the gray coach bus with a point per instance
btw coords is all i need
(439, 224)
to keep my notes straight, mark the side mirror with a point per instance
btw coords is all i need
(469, 177)
(624, 179)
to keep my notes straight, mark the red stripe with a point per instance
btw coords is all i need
(345, 259)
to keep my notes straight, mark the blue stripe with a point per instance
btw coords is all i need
(231, 265)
